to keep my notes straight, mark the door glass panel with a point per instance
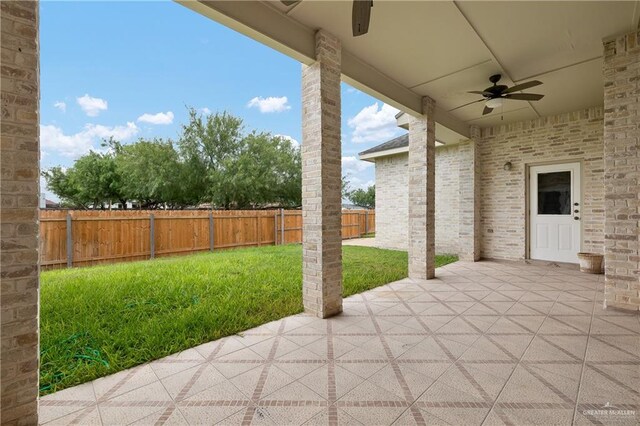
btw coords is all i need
(554, 193)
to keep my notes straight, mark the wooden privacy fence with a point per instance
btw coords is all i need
(87, 237)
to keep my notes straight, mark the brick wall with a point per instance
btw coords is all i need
(321, 180)
(19, 211)
(447, 199)
(392, 200)
(569, 137)
(622, 171)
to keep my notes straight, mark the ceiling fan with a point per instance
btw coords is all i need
(360, 15)
(494, 96)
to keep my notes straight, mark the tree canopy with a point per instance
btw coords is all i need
(365, 198)
(213, 161)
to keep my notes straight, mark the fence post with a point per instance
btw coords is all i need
(69, 243)
(152, 235)
(210, 231)
(366, 222)
(258, 233)
(275, 229)
(282, 241)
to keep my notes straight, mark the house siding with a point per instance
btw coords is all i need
(571, 137)
(392, 200)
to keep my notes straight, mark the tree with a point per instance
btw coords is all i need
(364, 198)
(208, 146)
(62, 183)
(154, 174)
(92, 181)
(232, 170)
(213, 161)
(97, 179)
(268, 170)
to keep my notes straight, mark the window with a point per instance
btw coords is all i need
(554, 193)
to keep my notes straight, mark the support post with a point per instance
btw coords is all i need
(469, 190)
(422, 177)
(622, 172)
(210, 231)
(321, 180)
(69, 242)
(20, 193)
(152, 235)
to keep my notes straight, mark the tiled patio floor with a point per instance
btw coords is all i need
(484, 343)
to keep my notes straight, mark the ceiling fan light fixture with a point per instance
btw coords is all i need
(495, 103)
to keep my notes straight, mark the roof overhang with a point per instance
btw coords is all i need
(444, 49)
(389, 152)
(266, 24)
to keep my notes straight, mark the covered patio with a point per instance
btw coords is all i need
(470, 343)
(495, 343)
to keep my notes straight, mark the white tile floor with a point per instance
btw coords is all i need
(484, 343)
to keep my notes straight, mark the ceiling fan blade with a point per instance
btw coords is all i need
(523, 86)
(524, 96)
(486, 110)
(462, 106)
(361, 16)
(484, 93)
(289, 2)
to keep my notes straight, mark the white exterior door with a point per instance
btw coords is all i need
(555, 206)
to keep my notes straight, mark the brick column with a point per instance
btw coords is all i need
(622, 171)
(322, 180)
(422, 192)
(19, 195)
(469, 187)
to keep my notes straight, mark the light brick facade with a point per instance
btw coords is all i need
(570, 137)
(322, 180)
(491, 222)
(392, 200)
(422, 179)
(469, 193)
(622, 171)
(19, 189)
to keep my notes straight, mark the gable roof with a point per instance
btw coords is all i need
(395, 143)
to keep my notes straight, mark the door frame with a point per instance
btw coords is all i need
(527, 200)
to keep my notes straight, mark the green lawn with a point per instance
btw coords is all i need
(99, 320)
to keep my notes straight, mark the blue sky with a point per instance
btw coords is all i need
(129, 69)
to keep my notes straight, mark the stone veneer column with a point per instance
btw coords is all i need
(322, 180)
(19, 195)
(622, 171)
(422, 192)
(469, 204)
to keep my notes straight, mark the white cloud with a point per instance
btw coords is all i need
(353, 165)
(356, 182)
(374, 124)
(205, 111)
(92, 106)
(270, 104)
(291, 140)
(53, 139)
(159, 118)
(62, 106)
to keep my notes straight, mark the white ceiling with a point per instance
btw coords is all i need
(444, 48)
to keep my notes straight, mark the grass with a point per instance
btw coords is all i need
(99, 320)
